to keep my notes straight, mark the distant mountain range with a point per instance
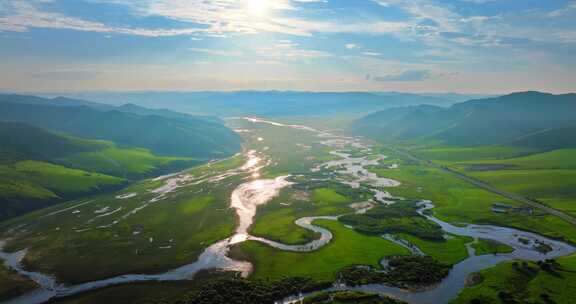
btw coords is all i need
(163, 132)
(61, 148)
(532, 119)
(273, 103)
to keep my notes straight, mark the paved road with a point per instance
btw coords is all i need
(481, 184)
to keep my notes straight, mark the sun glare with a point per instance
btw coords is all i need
(257, 7)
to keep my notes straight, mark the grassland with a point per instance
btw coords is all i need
(124, 162)
(547, 176)
(12, 284)
(172, 232)
(34, 178)
(454, 154)
(158, 237)
(556, 188)
(460, 202)
(557, 159)
(347, 248)
(451, 251)
(401, 217)
(483, 247)
(275, 220)
(524, 282)
(41, 180)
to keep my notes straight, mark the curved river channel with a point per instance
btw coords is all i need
(246, 198)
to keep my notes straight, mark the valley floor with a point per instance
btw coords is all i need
(161, 224)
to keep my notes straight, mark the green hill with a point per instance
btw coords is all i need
(512, 119)
(40, 167)
(549, 139)
(20, 141)
(28, 185)
(57, 149)
(191, 137)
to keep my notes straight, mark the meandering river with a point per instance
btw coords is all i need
(255, 192)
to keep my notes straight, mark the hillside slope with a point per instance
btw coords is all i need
(39, 167)
(20, 141)
(199, 138)
(510, 119)
(57, 149)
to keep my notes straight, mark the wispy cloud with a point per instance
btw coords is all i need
(215, 52)
(570, 8)
(216, 17)
(24, 15)
(410, 75)
(288, 50)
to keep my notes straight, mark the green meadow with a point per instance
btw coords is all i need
(125, 162)
(40, 180)
(549, 177)
(34, 178)
(276, 219)
(556, 159)
(451, 251)
(156, 237)
(455, 154)
(457, 201)
(347, 248)
(524, 282)
(483, 247)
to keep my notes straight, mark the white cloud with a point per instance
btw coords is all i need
(212, 18)
(287, 50)
(423, 10)
(25, 15)
(216, 52)
(351, 46)
(568, 9)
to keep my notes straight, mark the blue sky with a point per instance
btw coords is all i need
(481, 46)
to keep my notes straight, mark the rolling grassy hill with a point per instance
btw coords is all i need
(39, 167)
(20, 141)
(28, 185)
(549, 138)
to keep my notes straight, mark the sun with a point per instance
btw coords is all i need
(257, 7)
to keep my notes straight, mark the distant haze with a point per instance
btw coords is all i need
(270, 103)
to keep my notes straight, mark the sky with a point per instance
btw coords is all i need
(467, 46)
